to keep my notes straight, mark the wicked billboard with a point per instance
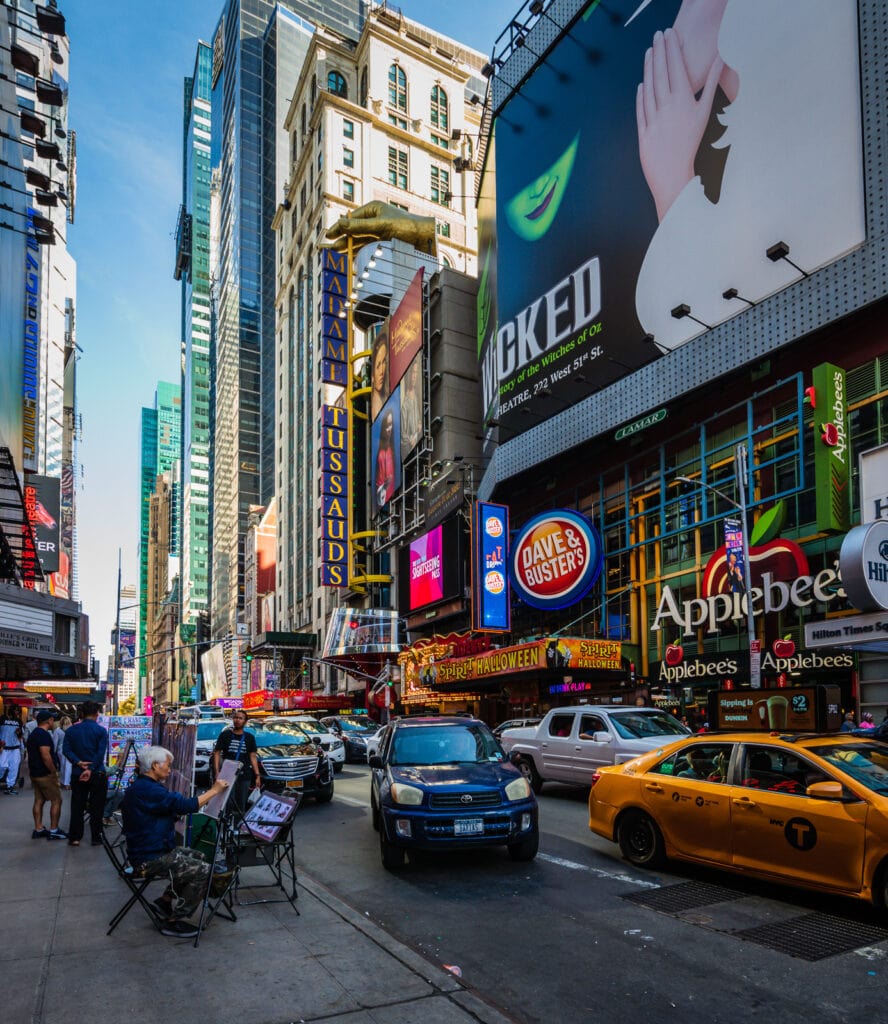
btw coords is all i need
(644, 171)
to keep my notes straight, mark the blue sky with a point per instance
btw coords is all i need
(127, 69)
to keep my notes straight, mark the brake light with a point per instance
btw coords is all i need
(595, 777)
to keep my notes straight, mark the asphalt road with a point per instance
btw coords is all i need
(563, 938)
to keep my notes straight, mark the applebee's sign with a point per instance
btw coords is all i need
(556, 558)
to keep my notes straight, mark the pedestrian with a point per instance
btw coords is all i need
(86, 746)
(11, 747)
(235, 744)
(848, 725)
(149, 811)
(58, 739)
(43, 765)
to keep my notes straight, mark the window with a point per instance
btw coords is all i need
(439, 108)
(348, 191)
(348, 129)
(589, 725)
(397, 167)
(777, 769)
(443, 229)
(364, 90)
(398, 122)
(397, 88)
(440, 141)
(440, 186)
(314, 89)
(303, 121)
(561, 725)
(705, 762)
(348, 157)
(336, 84)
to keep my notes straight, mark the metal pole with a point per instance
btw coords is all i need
(116, 701)
(755, 668)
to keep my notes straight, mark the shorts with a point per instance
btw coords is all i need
(47, 787)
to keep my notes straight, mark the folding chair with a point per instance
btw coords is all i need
(116, 851)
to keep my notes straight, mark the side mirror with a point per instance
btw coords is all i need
(601, 737)
(826, 790)
(375, 761)
(514, 757)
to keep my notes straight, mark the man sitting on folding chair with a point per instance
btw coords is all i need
(149, 814)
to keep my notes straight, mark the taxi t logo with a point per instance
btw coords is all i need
(800, 834)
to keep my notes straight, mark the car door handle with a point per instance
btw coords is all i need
(653, 787)
(744, 802)
(578, 748)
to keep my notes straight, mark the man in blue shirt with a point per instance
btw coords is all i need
(149, 814)
(86, 747)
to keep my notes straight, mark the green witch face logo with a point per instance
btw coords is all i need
(531, 211)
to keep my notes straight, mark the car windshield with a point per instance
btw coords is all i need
(634, 725)
(274, 735)
(211, 730)
(866, 763)
(444, 744)
(310, 725)
(357, 722)
(288, 728)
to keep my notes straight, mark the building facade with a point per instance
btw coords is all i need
(388, 119)
(253, 70)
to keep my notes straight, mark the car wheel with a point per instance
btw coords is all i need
(528, 770)
(374, 813)
(525, 849)
(392, 856)
(325, 795)
(641, 842)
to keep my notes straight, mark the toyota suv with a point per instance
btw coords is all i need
(443, 784)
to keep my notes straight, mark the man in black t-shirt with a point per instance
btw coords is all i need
(236, 744)
(43, 764)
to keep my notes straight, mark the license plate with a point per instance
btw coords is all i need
(294, 783)
(468, 827)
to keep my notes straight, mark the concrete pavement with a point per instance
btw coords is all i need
(271, 966)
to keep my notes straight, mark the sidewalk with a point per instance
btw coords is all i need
(269, 967)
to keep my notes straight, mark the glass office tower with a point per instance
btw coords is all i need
(253, 76)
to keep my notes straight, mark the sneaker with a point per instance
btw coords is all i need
(57, 833)
(40, 833)
(180, 929)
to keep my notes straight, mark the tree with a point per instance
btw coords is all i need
(127, 706)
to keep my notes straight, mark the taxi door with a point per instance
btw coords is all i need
(820, 842)
(693, 813)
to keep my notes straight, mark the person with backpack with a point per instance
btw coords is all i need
(236, 744)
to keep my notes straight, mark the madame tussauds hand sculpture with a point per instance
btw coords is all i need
(378, 221)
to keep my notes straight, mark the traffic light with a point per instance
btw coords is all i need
(248, 656)
(304, 668)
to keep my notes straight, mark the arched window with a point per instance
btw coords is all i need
(364, 87)
(397, 87)
(302, 120)
(314, 89)
(336, 84)
(439, 108)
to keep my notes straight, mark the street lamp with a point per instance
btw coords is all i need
(740, 467)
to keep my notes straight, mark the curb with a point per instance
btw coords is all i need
(441, 980)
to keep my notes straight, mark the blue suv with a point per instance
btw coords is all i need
(445, 784)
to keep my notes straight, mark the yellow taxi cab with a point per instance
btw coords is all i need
(808, 810)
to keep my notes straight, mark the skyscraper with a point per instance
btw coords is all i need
(255, 65)
(192, 268)
(160, 447)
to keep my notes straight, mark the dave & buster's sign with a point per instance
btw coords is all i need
(555, 559)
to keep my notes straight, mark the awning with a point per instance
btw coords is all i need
(360, 641)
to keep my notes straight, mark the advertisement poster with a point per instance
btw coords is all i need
(734, 565)
(426, 569)
(42, 496)
(405, 330)
(793, 710)
(634, 189)
(490, 573)
(411, 406)
(379, 371)
(385, 448)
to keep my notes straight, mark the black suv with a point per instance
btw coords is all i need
(289, 761)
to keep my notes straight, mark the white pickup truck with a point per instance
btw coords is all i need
(570, 744)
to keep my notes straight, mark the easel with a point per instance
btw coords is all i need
(266, 836)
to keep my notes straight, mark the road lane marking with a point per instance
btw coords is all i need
(573, 865)
(351, 800)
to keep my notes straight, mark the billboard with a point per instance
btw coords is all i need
(555, 559)
(43, 504)
(426, 569)
(405, 330)
(385, 452)
(639, 194)
(490, 574)
(411, 406)
(380, 387)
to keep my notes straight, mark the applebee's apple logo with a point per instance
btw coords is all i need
(768, 553)
(673, 655)
(784, 648)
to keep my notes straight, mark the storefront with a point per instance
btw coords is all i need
(281, 701)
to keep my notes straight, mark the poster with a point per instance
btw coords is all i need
(122, 728)
(266, 817)
(385, 448)
(405, 330)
